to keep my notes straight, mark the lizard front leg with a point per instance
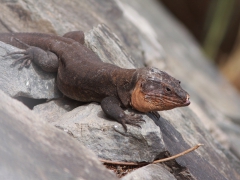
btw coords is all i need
(111, 107)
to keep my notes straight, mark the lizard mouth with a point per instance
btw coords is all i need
(187, 102)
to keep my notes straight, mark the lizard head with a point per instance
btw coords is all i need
(155, 90)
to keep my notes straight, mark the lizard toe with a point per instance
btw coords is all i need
(134, 120)
(24, 63)
(23, 60)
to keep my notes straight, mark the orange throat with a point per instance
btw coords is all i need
(139, 102)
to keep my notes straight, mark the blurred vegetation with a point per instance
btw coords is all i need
(215, 25)
(217, 21)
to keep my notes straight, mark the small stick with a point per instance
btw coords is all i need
(178, 155)
(154, 162)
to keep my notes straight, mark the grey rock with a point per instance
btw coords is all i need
(88, 123)
(52, 17)
(207, 88)
(211, 117)
(184, 56)
(232, 158)
(107, 138)
(235, 145)
(52, 111)
(204, 163)
(29, 82)
(233, 132)
(164, 44)
(150, 172)
(100, 38)
(31, 149)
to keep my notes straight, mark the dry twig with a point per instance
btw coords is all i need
(154, 162)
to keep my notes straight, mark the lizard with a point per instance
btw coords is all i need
(82, 76)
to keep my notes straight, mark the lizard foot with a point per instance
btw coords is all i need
(131, 120)
(24, 60)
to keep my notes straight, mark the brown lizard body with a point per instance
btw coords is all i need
(82, 76)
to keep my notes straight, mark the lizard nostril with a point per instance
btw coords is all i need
(187, 99)
(187, 102)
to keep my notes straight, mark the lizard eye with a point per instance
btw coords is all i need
(179, 82)
(168, 89)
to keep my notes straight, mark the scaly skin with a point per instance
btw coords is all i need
(82, 76)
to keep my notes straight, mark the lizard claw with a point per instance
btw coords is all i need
(16, 52)
(132, 120)
(24, 60)
(25, 63)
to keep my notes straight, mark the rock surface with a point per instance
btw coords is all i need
(53, 110)
(150, 172)
(31, 82)
(213, 100)
(206, 162)
(184, 57)
(31, 149)
(100, 37)
(144, 30)
(52, 17)
(107, 138)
